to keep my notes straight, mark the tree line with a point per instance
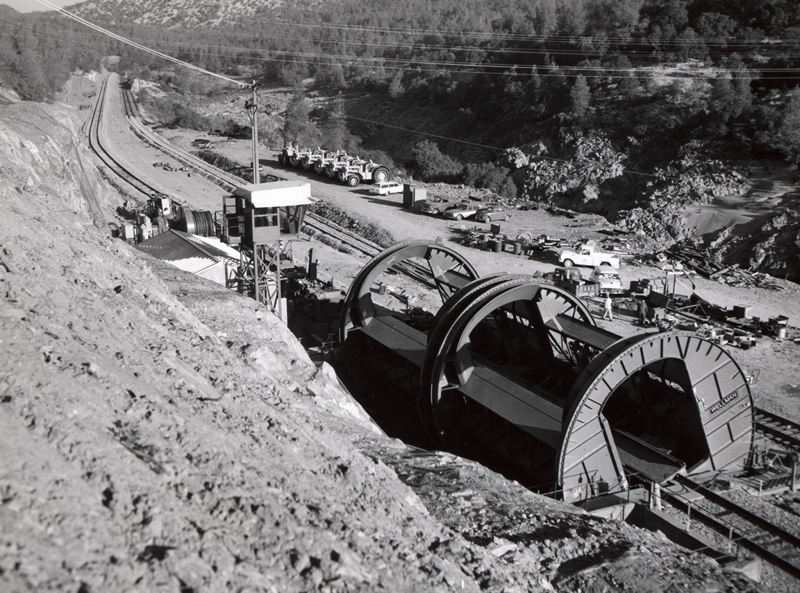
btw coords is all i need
(528, 70)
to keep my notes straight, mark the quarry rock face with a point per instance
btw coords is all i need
(161, 433)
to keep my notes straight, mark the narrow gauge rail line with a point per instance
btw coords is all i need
(742, 526)
(411, 269)
(778, 429)
(228, 182)
(317, 223)
(108, 159)
(221, 178)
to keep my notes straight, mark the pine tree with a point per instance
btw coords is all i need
(298, 127)
(580, 97)
(396, 86)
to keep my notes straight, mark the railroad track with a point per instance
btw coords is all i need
(228, 182)
(108, 159)
(778, 429)
(772, 543)
(322, 225)
(225, 180)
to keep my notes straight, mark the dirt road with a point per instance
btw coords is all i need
(773, 362)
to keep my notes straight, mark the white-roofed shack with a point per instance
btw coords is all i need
(257, 214)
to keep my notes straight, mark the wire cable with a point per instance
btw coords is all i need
(137, 45)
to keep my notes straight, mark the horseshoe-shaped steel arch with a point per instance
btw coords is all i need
(358, 309)
(447, 362)
(712, 376)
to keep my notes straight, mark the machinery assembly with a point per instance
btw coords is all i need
(519, 369)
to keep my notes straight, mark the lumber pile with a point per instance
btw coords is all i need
(708, 267)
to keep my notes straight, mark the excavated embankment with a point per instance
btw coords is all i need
(160, 433)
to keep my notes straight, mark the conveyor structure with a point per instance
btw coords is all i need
(519, 368)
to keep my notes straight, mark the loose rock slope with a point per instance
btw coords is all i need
(160, 433)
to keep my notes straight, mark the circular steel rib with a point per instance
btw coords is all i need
(444, 264)
(519, 309)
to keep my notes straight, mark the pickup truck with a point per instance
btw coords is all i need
(608, 279)
(587, 255)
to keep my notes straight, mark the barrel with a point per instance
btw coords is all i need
(517, 248)
(497, 246)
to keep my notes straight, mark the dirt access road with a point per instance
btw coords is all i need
(774, 363)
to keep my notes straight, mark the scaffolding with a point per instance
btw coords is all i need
(261, 220)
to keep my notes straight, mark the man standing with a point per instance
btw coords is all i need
(642, 310)
(607, 308)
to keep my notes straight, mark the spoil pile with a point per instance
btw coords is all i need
(690, 180)
(776, 247)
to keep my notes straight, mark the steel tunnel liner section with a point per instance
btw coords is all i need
(722, 406)
(519, 368)
(449, 269)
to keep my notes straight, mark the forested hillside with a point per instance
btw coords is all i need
(607, 85)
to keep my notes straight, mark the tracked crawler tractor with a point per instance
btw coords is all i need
(519, 368)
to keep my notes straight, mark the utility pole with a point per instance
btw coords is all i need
(252, 110)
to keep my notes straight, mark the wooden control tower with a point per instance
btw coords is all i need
(261, 219)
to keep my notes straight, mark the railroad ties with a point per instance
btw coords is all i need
(778, 429)
(519, 369)
(744, 528)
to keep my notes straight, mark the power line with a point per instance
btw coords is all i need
(493, 36)
(445, 67)
(580, 42)
(136, 45)
(436, 66)
(240, 84)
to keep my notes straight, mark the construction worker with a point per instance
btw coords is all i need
(641, 306)
(607, 314)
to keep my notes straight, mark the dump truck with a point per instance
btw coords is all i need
(571, 280)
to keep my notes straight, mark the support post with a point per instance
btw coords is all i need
(689, 517)
(655, 496)
(252, 110)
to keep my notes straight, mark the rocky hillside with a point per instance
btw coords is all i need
(160, 433)
(176, 13)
